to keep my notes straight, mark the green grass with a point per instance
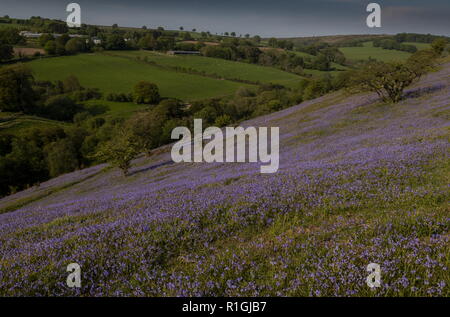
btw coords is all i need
(116, 74)
(14, 125)
(224, 68)
(420, 46)
(10, 25)
(363, 53)
(319, 73)
(115, 109)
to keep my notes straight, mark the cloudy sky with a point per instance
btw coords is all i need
(282, 18)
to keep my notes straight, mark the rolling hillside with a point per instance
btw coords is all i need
(359, 182)
(11, 123)
(220, 67)
(369, 51)
(115, 74)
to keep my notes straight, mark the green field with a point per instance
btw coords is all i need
(113, 109)
(118, 74)
(318, 73)
(367, 51)
(10, 25)
(13, 124)
(219, 67)
(420, 46)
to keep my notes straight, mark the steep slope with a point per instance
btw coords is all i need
(359, 182)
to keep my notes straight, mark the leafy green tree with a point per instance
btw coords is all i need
(16, 92)
(148, 42)
(244, 92)
(187, 36)
(60, 48)
(218, 52)
(44, 38)
(321, 63)
(43, 135)
(71, 84)
(146, 93)
(5, 144)
(11, 36)
(57, 27)
(167, 128)
(61, 157)
(389, 80)
(422, 62)
(223, 120)
(77, 136)
(273, 42)
(120, 151)
(27, 164)
(174, 107)
(61, 108)
(146, 128)
(439, 45)
(115, 42)
(89, 148)
(50, 47)
(208, 114)
(75, 45)
(63, 39)
(6, 52)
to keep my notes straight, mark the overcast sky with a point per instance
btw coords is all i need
(281, 18)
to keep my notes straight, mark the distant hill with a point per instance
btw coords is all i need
(335, 39)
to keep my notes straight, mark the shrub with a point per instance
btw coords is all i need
(389, 80)
(61, 108)
(439, 45)
(6, 52)
(119, 97)
(50, 47)
(223, 121)
(75, 45)
(119, 151)
(146, 93)
(61, 157)
(146, 128)
(16, 92)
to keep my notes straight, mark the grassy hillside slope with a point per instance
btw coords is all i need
(359, 182)
(220, 67)
(115, 74)
(368, 50)
(12, 123)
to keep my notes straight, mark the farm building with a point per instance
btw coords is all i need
(96, 40)
(30, 34)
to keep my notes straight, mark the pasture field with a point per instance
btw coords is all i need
(10, 25)
(420, 46)
(113, 109)
(14, 124)
(315, 72)
(320, 73)
(220, 67)
(367, 51)
(116, 74)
